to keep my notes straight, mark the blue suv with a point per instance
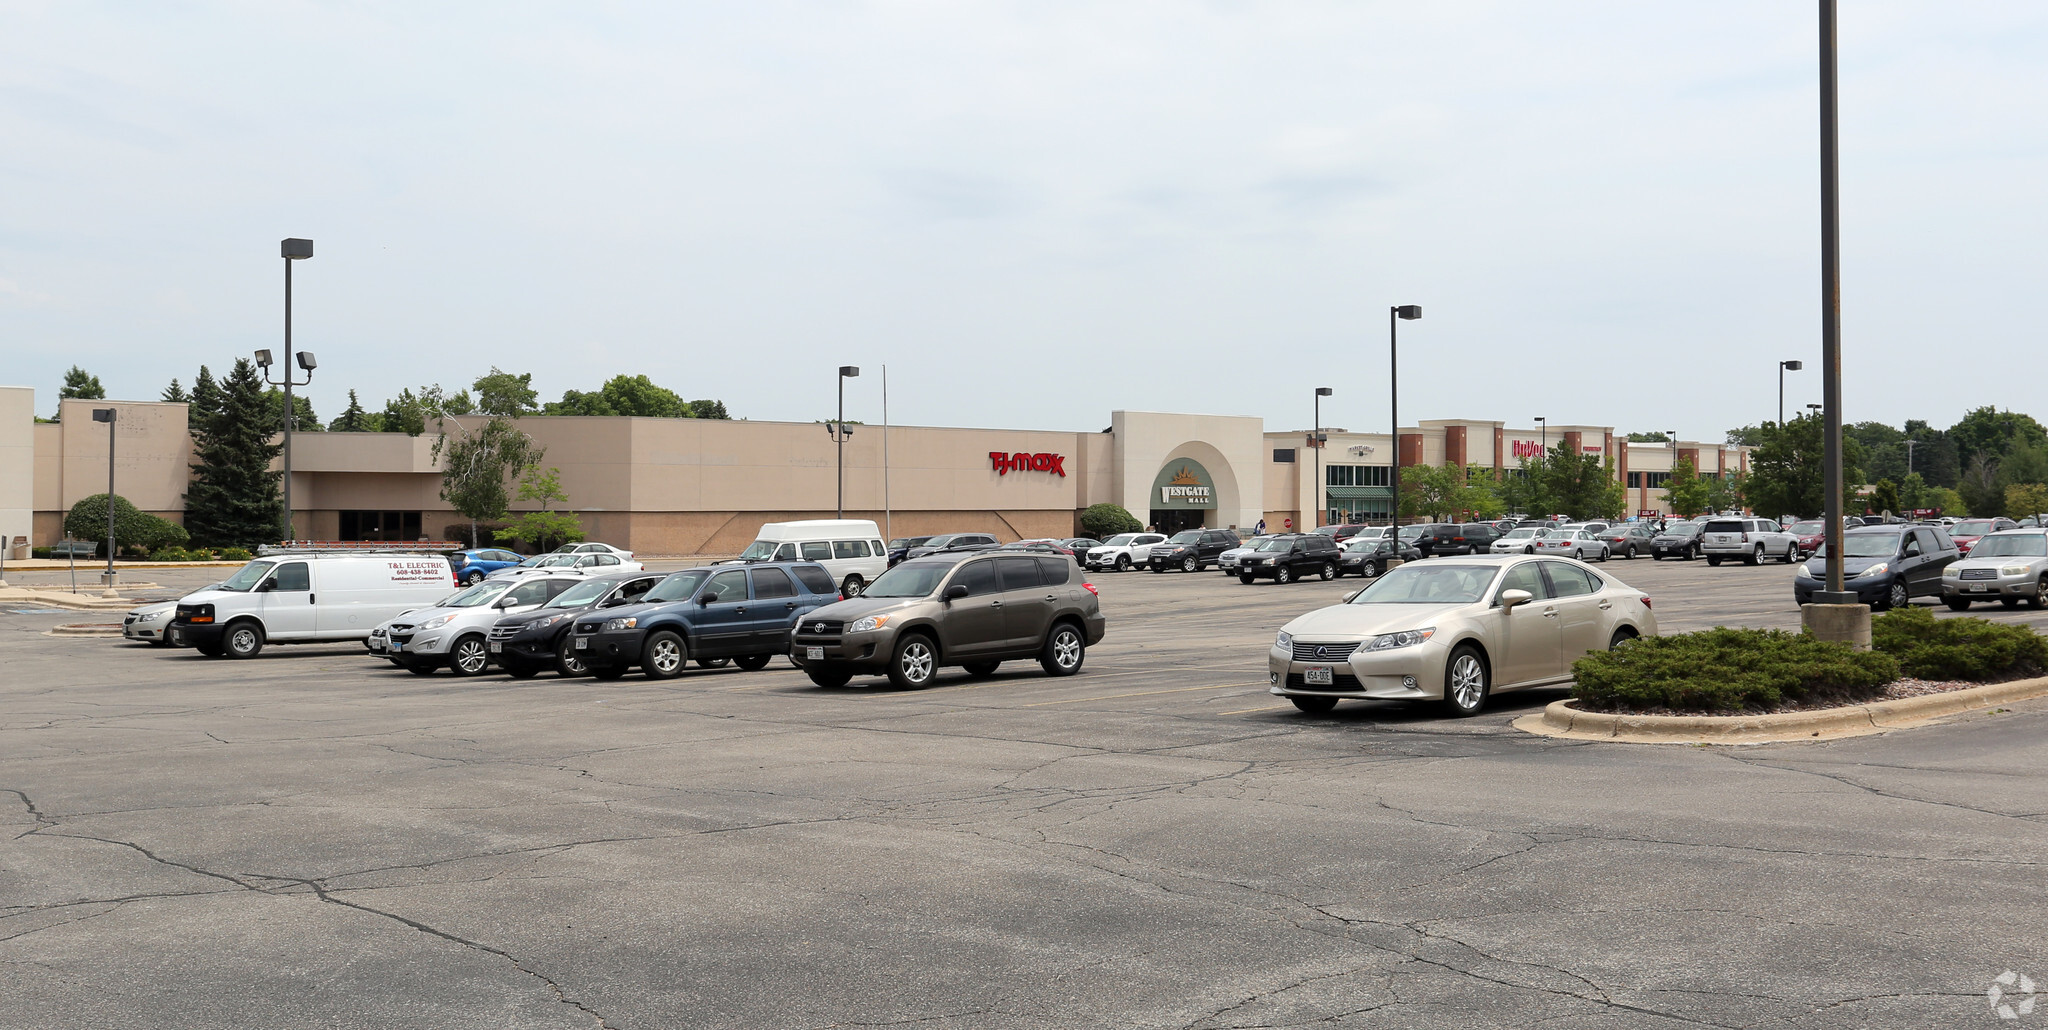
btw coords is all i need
(472, 566)
(741, 612)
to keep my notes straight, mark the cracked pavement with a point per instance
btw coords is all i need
(317, 838)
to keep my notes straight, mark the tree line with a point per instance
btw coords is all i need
(1989, 463)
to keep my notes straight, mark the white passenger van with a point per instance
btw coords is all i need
(292, 598)
(850, 549)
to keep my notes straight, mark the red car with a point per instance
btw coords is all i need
(1967, 532)
(1811, 533)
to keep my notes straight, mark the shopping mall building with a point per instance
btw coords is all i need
(698, 486)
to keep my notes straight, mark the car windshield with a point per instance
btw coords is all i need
(2023, 545)
(1189, 537)
(1274, 543)
(759, 549)
(579, 595)
(1120, 539)
(1865, 545)
(1683, 529)
(250, 575)
(909, 580)
(482, 593)
(1974, 527)
(1413, 532)
(1429, 583)
(677, 587)
(1806, 528)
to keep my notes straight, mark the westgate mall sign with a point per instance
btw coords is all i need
(1004, 464)
(1184, 484)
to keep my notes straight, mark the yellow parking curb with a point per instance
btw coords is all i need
(1561, 719)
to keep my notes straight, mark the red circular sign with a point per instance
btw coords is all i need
(1287, 523)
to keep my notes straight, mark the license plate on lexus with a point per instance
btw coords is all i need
(814, 654)
(496, 647)
(582, 643)
(1317, 676)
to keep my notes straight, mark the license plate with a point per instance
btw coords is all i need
(814, 654)
(1982, 588)
(398, 645)
(496, 647)
(582, 643)
(1317, 676)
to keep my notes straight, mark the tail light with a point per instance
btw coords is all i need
(1646, 600)
(1090, 587)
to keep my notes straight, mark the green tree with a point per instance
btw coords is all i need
(175, 394)
(1648, 438)
(1725, 492)
(87, 520)
(478, 460)
(709, 409)
(1934, 454)
(206, 400)
(623, 395)
(1433, 491)
(232, 498)
(1581, 486)
(354, 419)
(1787, 474)
(546, 529)
(1686, 491)
(78, 385)
(1913, 492)
(2025, 463)
(1106, 520)
(502, 393)
(1947, 501)
(1746, 436)
(306, 422)
(1884, 497)
(1993, 433)
(1981, 488)
(405, 413)
(2026, 500)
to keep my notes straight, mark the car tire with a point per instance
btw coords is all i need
(664, 655)
(1283, 575)
(981, 670)
(1791, 555)
(566, 661)
(468, 656)
(1065, 650)
(1755, 557)
(244, 639)
(1156, 567)
(1529, 550)
(1957, 604)
(1657, 557)
(852, 586)
(519, 670)
(420, 670)
(1896, 595)
(2009, 602)
(713, 663)
(1190, 565)
(1631, 555)
(914, 662)
(1621, 636)
(1246, 580)
(2040, 598)
(828, 676)
(1314, 705)
(1714, 560)
(1369, 570)
(753, 662)
(1604, 553)
(1467, 682)
(475, 576)
(1123, 563)
(608, 672)
(1329, 571)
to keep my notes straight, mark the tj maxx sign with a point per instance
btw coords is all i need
(1004, 464)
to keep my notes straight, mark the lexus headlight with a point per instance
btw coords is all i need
(614, 625)
(1875, 570)
(2014, 570)
(1405, 638)
(1286, 639)
(437, 621)
(869, 624)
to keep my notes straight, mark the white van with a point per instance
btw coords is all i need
(850, 549)
(306, 598)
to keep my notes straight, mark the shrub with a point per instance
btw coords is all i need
(87, 520)
(1958, 648)
(40, 552)
(1729, 670)
(234, 554)
(1103, 521)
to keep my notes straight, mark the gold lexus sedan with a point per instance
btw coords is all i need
(1455, 630)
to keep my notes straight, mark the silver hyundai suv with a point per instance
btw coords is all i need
(975, 610)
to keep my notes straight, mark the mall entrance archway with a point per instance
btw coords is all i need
(1183, 497)
(1173, 520)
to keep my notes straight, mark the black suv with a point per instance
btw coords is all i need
(1289, 557)
(1435, 538)
(726, 611)
(528, 642)
(1192, 550)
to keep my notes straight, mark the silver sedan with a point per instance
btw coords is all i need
(1582, 544)
(1455, 630)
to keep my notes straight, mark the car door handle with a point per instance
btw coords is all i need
(995, 604)
(740, 610)
(1051, 597)
(1550, 613)
(791, 606)
(1604, 605)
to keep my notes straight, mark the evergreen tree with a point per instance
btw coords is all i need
(233, 498)
(175, 394)
(78, 384)
(206, 400)
(405, 413)
(354, 419)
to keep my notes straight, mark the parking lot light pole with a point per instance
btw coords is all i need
(1784, 367)
(840, 434)
(1394, 316)
(292, 250)
(107, 415)
(1316, 441)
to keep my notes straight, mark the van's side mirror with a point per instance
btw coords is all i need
(956, 591)
(266, 586)
(1512, 599)
(708, 597)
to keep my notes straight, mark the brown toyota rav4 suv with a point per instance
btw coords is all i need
(975, 610)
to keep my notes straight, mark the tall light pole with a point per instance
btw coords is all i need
(1784, 367)
(1544, 425)
(1909, 454)
(292, 250)
(1831, 334)
(839, 437)
(1394, 315)
(1316, 441)
(107, 415)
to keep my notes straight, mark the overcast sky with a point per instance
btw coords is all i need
(1035, 212)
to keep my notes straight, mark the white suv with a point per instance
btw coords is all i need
(1749, 539)
(453, 632)
(1124, 550)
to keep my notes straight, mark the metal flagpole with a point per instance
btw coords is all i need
(888, 528)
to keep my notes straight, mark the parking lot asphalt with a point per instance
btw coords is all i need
(315, 838)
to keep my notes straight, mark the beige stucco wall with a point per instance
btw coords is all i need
(152, 454)
(17, 465)
(1231, 447)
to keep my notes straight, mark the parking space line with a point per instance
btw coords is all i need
(1265, 708)
(1138, 693)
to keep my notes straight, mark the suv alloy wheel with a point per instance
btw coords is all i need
(1065, 649)
(663, 656)
(467, 656)
(1189, 564)
(1283, 575)
(914, 663)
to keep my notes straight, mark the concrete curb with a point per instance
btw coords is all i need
(1560, 719)
(84, 629)
(68, 601)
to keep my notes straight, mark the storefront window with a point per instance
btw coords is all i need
(380, 525)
